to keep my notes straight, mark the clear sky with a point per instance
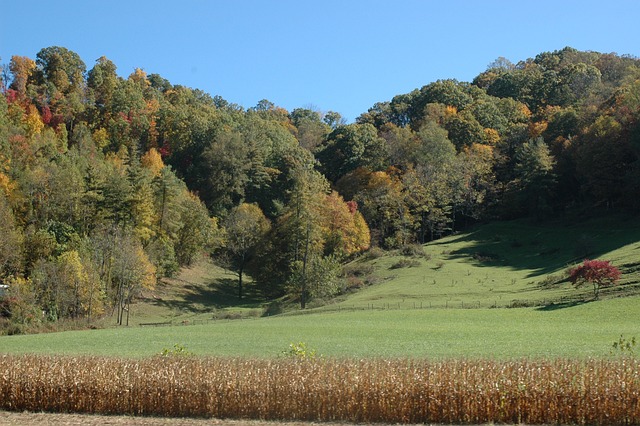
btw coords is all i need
(339, 55)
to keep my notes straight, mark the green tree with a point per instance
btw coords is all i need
(169, 193)
(535, 177)
(472, 184)
(311, 130)
(141, 201)
(603, 157)
(102, 83)
(224, 172)
(61, 75)
(352, 146)
(11, 248)
(305, 205)
(296, 239)
(317, 278)
(198, 232)
(245, 227)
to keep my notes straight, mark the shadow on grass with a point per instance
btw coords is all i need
(540, 247)
(563, 305)
(218, 294)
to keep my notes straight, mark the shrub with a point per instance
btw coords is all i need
(354, 283)
(413, 250)
(550, 280)
(623, 346)
(300, 351)
(486, 257)
(357, 270)
(374, 253)
(177, 350)
(405, 263)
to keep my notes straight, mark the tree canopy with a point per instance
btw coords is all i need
(91, 161)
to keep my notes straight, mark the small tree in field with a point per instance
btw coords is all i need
(599, 273)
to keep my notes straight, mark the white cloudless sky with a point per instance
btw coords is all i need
(339, 55)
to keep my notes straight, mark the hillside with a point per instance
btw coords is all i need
(504, 264)
(109, 184)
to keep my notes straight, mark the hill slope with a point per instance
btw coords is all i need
(502, 264)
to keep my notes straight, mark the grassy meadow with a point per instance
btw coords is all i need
(451, 302)
(579, 331)
(502, 264)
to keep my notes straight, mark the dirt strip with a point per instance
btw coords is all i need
(40, 419)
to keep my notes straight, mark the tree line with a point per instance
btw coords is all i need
(108, 183)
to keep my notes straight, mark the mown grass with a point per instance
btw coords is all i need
(594, 392)
(561, 331)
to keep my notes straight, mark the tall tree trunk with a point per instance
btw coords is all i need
(303, 293)
(240, 271)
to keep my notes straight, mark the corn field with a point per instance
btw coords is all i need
(604, 392)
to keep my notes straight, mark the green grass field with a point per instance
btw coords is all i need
(503, 264)
(578, 331)
(407, 312)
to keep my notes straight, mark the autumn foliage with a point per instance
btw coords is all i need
(90, 159)
(599, 273)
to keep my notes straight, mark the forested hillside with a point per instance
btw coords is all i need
(108, 183)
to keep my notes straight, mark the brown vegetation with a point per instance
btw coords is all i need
(390, 391)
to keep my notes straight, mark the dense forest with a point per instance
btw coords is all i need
(108, 184)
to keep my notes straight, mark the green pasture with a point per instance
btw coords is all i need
(582, 330)
(452, 302)
(503, 264)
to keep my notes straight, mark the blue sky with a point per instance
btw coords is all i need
(338, 55)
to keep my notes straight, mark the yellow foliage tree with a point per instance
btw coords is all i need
(74, 279)
(132, 272)
(536, 128)
(101, 138)
(152, 161)
(21, 68)
(6, 183)
(492, 136)
(32, 122)
(345, 230)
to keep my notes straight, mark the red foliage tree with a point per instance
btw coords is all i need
(599, 273)
(46, 114)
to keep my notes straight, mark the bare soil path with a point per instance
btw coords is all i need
(40, 419)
